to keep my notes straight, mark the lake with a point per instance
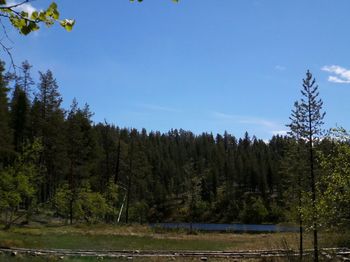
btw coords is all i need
(243, 228)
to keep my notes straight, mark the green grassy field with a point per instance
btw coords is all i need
(105, 237)
(139, 238)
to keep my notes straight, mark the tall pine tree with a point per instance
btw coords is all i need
(6, 148)
(309, 122)
(48, 123)
(20, 109)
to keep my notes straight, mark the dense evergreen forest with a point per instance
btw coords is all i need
(58, 162)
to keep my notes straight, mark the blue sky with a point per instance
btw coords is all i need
(200, 65)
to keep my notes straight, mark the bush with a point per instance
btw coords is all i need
(138, 212)
(254, 211)
(276, 214)
(87, 205)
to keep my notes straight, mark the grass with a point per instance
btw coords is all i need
(105, 237)
(135, 237)
(106, 242)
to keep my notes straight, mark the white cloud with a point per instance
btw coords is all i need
(335, 79)
(280, 132)
(267, 124)
(342, 75)
(26, 7)
(280, 67)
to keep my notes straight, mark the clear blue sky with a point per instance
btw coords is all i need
(200, 65)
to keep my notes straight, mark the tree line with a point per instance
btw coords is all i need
(59, 162)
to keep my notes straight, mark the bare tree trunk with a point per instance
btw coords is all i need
(313, 186)
(300, 237)
(300, 219)
(127, 201)
(131, 153)
(71, 211)
(116, 174)
(72, 191)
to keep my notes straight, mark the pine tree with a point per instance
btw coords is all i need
(137, 171)
(5, 131)
(25, 80)
(307, 121)
(81, 144)
(48, 95)
(108, 152)
(48, 123)
(293, 166)
(20, 109)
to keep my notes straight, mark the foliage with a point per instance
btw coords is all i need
(309, 115)
(306, 126)
(88, 206)
(157, 177)
(111, 194)
(334, 187)
(276, 213)
(6, 146)
(27, 22)
(139, 212)
(61, 201)
(18, 183)
(47, 123)
(254, 211)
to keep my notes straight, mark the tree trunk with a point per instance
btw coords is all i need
(116, 175)
(313, 185)
(127, 201)
(300, 237)
(300, 216)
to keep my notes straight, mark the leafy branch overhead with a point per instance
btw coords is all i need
(27, 22)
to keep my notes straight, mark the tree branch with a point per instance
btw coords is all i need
(14, 6)
(7, 50)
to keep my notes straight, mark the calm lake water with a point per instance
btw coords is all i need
(227, 227)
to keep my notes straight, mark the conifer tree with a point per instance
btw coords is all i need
(81, 145)
(307, 122)
(5, 131)
(48, 123)
(26, 80)
(294, 166)
(20, 109)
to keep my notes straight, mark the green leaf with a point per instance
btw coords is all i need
(68, 24)
(8, 11)
(26, 23)
(17, 22)
(53, 6)
(34, 16)
(56, 15)
(42, 16)
(24, 14)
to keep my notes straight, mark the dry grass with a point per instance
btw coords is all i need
(145, 236)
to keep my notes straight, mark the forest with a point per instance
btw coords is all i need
(57, 162)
